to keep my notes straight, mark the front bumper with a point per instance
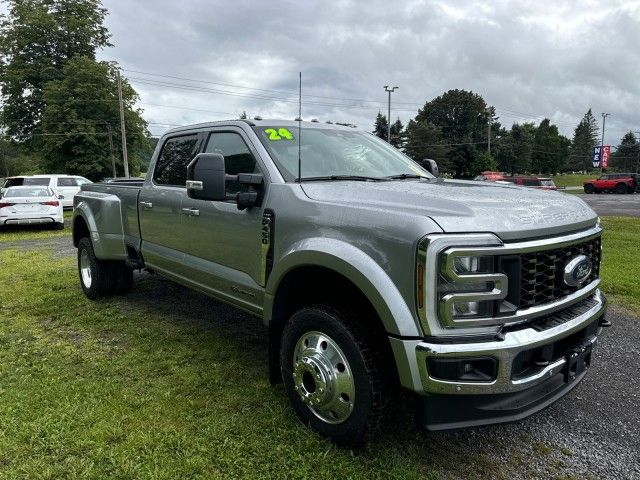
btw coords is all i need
(515, 392)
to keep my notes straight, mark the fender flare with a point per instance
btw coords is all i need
(359, 268)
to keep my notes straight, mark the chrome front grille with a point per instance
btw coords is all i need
(541, 273)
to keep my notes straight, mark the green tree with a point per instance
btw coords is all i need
(397, 134)
(37, 39)
(243, 115)
(514, 149)
(423, 140)
(626, 158)
(380, 126)
(585, 137)
(483, 162)
(79, 109)
(463, 117)
(550, 149)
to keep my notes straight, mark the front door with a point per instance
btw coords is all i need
(164, 238)
(224, 253)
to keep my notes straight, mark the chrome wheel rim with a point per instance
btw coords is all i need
(322, 377)
(85, 269)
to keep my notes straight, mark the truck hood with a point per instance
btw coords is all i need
(458, 206)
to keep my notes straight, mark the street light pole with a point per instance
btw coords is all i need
(604, 120)
(389, 91)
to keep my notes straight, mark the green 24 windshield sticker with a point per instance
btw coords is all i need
(279, 134)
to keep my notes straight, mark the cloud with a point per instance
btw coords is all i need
(528, 58)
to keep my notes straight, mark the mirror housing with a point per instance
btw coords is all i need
(206, 180)
(206, 177)
(430, 166)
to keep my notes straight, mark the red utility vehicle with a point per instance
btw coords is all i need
(614, 182)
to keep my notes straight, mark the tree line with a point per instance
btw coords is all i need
(60, 110)
(464, 135)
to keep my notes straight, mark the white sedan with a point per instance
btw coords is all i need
(31, 205)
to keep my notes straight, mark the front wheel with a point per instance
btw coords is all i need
(588, 188)
(331, 374)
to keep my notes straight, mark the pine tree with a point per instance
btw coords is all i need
(585, 137)
(550, 149)
(397, 134)
(380, 126)
(626, 158)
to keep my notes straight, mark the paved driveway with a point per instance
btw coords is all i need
(613, 204)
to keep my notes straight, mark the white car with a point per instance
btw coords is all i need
(65, 186)
(31, 205)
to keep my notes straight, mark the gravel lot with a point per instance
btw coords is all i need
(592, 433)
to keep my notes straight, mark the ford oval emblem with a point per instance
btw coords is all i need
(577, 270)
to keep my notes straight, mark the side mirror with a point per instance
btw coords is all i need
(206, 177)
(431, 166)
(60, 197)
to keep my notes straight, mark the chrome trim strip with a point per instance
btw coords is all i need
(429, 249)
(505, 352)
(549, 370)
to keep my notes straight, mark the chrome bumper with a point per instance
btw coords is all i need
(504, 351)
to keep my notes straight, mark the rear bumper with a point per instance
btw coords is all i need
(29, 221)
(534, 368)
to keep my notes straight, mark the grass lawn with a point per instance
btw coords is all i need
(621, 239)
(165, 383)
(573, 180)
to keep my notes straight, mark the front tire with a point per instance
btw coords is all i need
(588, 188)
(621, 188)
(332, 375)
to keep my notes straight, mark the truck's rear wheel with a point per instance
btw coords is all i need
(100, 278)
(331, 374)
(621, 188)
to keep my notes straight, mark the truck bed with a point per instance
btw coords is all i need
(116, 204)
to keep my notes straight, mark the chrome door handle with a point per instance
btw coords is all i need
(146, 204)
(194, 212)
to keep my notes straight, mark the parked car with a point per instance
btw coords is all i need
(614, 182)
(31, 205)
(370, 272)
(65, 186)
(543, 183)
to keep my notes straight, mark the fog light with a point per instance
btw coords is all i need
(475, 369)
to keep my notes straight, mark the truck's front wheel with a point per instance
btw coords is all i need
(99, 278)
(331, 374)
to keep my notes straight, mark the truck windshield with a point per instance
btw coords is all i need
(335, 154)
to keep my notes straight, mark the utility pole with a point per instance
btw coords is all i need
(123, 129)
(604, 120)
(638, 144)
(389, 91)
(489, 131)
(113, 160)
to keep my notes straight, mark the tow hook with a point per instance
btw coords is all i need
(604, 322)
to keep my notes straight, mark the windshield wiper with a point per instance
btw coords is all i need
(359, 178)
(403, 176)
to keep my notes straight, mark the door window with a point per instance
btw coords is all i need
(42, 181)
(67, 182)
(237, 157)
(176, 154)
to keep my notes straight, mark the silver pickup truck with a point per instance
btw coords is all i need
(370, 272)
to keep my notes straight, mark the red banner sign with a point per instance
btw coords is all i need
(604, 156)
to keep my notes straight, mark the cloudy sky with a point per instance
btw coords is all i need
(199, 60)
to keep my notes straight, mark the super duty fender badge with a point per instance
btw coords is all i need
(266, 244)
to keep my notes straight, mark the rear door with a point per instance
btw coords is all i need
(160, 205)
(67, 187)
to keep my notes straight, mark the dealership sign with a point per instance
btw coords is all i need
(601, 156)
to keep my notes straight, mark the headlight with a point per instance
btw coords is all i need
(468, 289)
